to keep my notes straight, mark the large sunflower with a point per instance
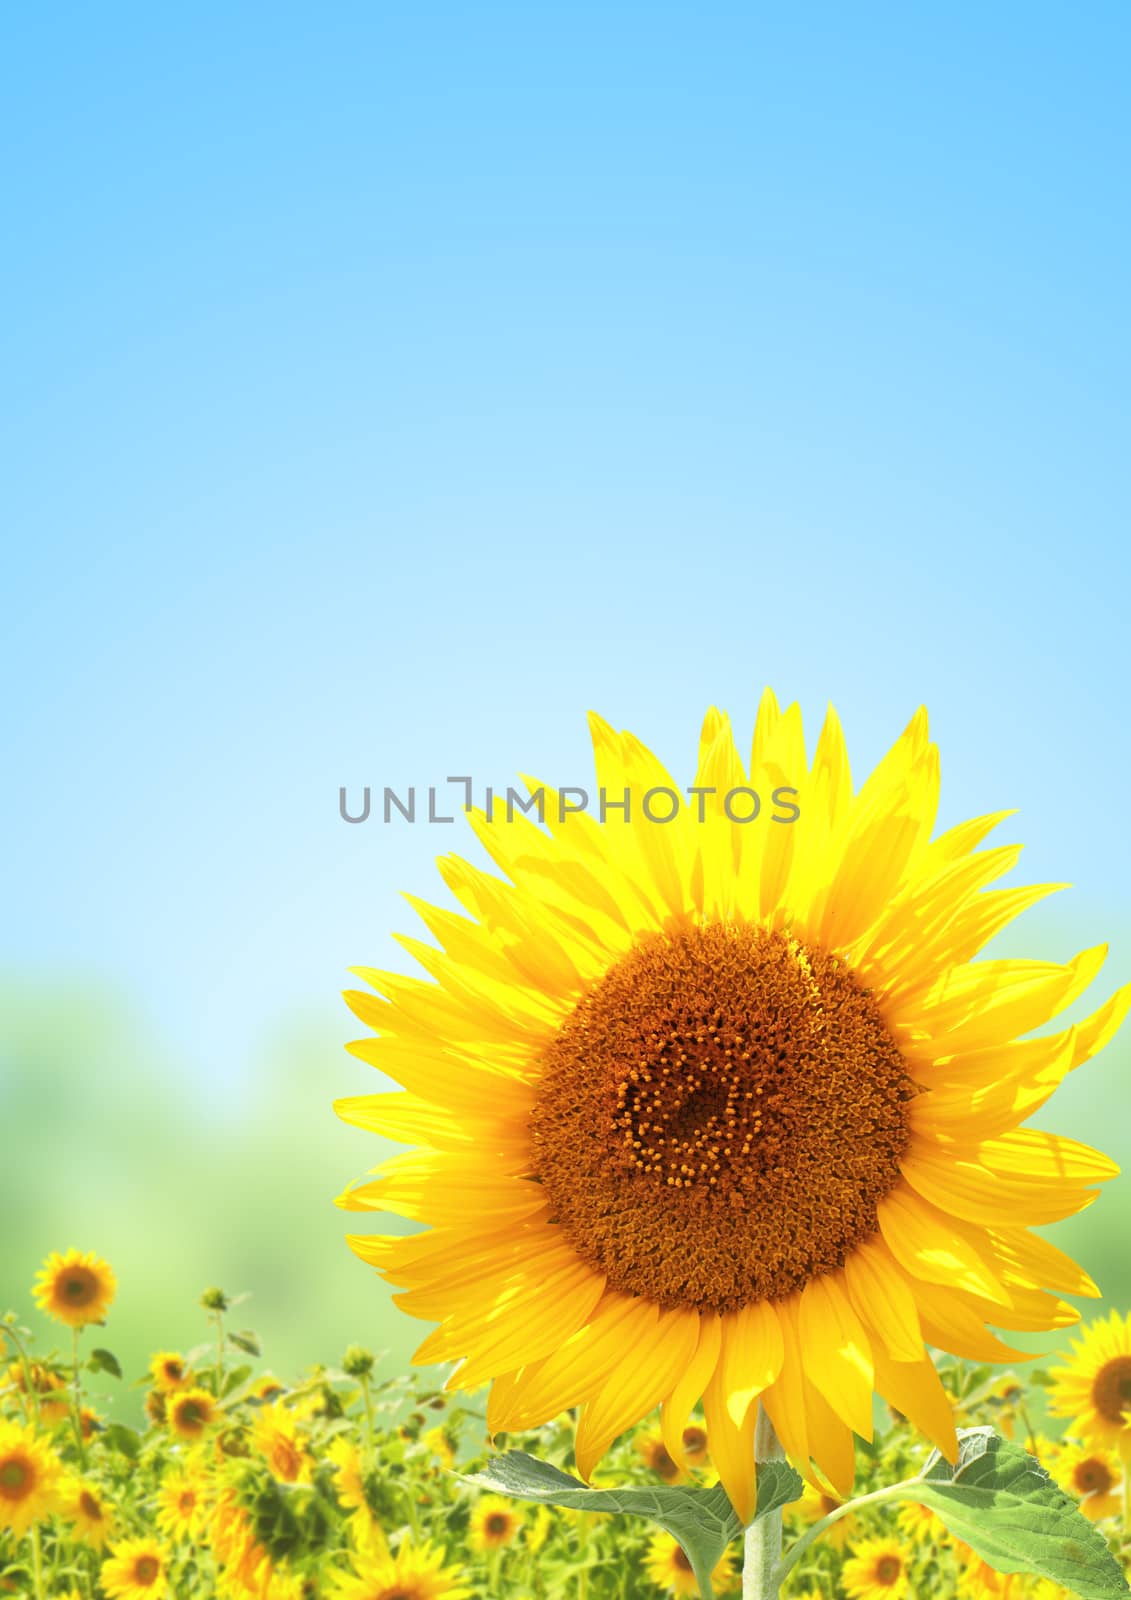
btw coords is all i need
(30, 1478)
(726, 1109)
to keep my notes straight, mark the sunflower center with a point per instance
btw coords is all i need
(497, 1524)
(719, 1118)
(146, 1570)
(1092, 1477)
(888, 1569)
(89, 1506)
(16, 1478)
(680, 1561)
(79, 1287)
(1111, 1390)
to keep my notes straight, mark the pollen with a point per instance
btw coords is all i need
(718, 1119)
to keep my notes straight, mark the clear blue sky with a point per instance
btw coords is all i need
(384, 386)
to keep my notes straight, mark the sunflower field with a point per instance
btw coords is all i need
(345, 1485)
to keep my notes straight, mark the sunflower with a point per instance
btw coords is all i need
(437, 1442)
(724, 1108)
(494, 1523)
(658, 1458)
(1094, 1389)
(694, 1441)
(816, 1504)
(1094, 1475)
(667, 1566)
(84, 1506)
(29, 1478)
(137, 1570)
(275, 1435)
(245, 1565)
(182, 1504)
(190, 1413)
(268, 1388)
(920, 1524)
(414, 1573)
(349, 1475)
(876, 1570)
(170, 1371)
(76, 1288)
(45, 1385)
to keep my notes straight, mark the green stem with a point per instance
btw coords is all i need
(893, 1491)
(76, 1403)
(219, 1353)
(762, 1545)
(31, 1394)
(367, 1394)
(37, 1562)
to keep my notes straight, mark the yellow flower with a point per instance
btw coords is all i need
(877, 1570)
(538, 1530)
(76, 1288)
(1094, 1475)
(668, 1568)
(29, 1478)
(920, 1524)
(136, 1570)
(45, 1385)
(246, 1568)
(726, 1109)
(182, 1504)
(657, 1458)
(267, 1388)
(84, 1506)
(190, 1412)
(349, 1474)
(1094, 1389)
(440, 1445)
(694, 1440)
(275, 1435)
(494, 1522)
(170, 1371)
(815, 1505)
(414, 1573)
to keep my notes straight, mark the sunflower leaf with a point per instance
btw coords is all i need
(702, 1520)
(1002, 1503)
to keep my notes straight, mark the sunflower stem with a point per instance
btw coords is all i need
(37, 1562)
(31, 1394)
(894, 1491)
(762, 1545)
(76, 1407)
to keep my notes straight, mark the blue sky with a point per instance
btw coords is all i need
(385, 386)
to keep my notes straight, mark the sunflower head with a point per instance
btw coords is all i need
(92, 1518)
(1093, 1474)
(190, 1413)
(76, 1288)
(1094, 1386)
(30, 1478)
(415, 1572)
(668, 1567)
(136, 1570)
(170, 1371)
(494, 1522)
(713, 1102)
(877, 1570)
(275, 1434)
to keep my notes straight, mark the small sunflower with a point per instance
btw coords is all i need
(440, 1445)
(76, 1288)
(876, 1570)
(182, 1504)
(416, 1572)
(245, 1565)
(137, 1570)
(1094, 1475)
(46, 1385)
(658, 1458)
(726, 1109)
(85, 1506)
(190, 1413)
(29, 1478)
(170, 1371)
(1094, 1388)
(276, 1436)
(268, 1388)
(814, 1506)
(494, 1522)
(668, 1567)
(694, 1441)
(349, 1475)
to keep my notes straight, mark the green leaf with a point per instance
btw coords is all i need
(122, 1439)
(246, 1341)
(104, 1361)
(233, 1379)
(1002, 1503)
(703, 1520)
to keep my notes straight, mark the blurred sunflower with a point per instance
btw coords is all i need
(720, 1111)
(182, 1504)
(190, 1412)
(494, 1522)
(76, 1287)
(814, 1506)
(29, 1478)
(876, 1570)
(667, 1566)
(1093, 1475)
(694, 1441)
(137, 1570)
(1094, 1389)
(85, 1507)
(276, 1436)
(170, 1371)
(349, 1475)
(920, 1524)
(658, 1458)
(416, 1572)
